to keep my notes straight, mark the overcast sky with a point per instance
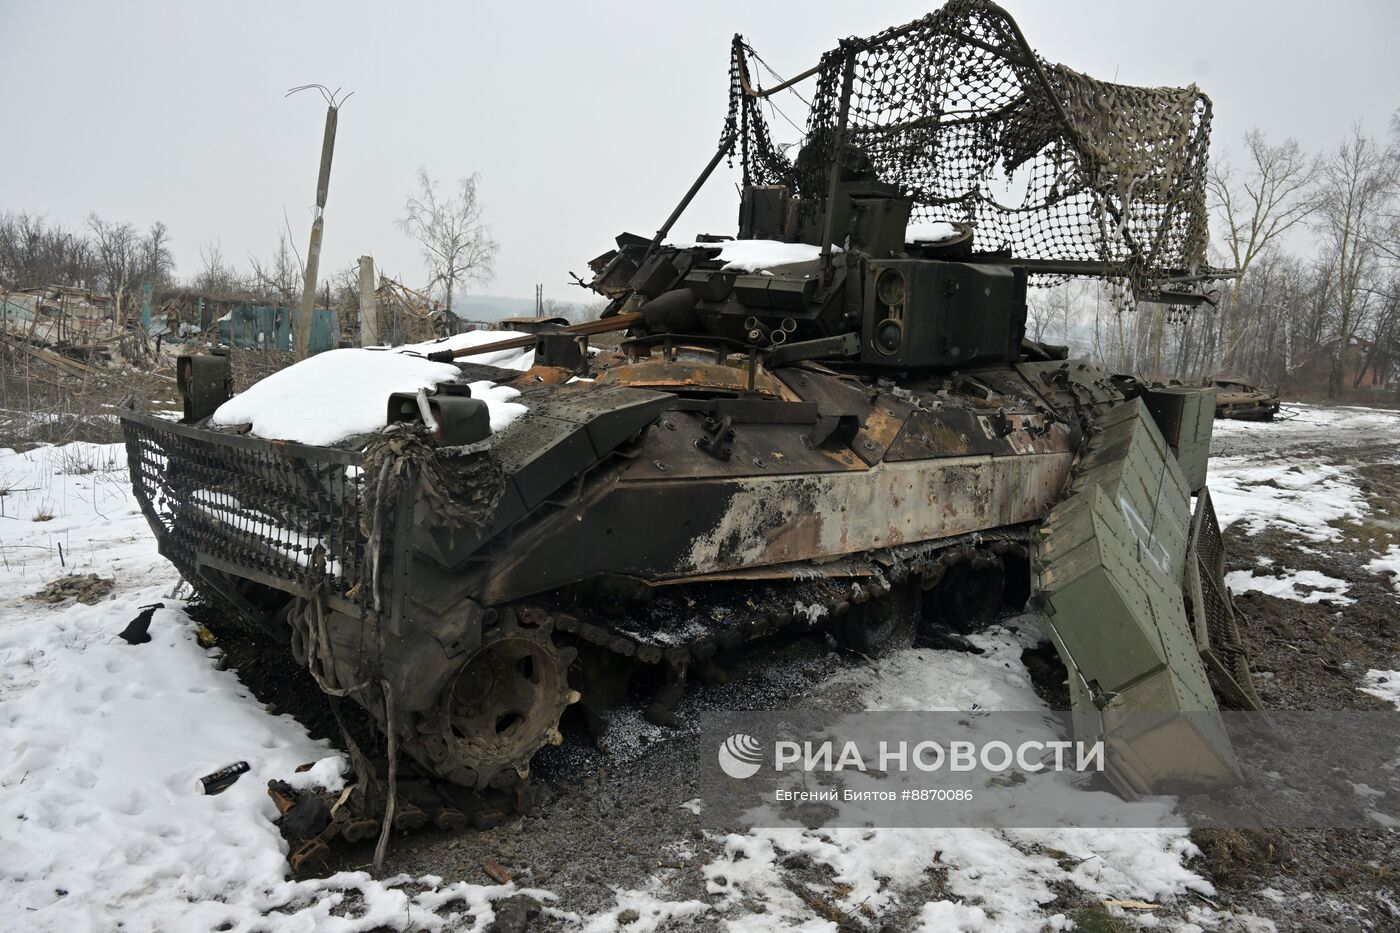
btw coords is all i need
(583, 119)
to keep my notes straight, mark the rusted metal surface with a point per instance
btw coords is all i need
(543, 376)
(785, 519)
(797, 570)
(693, 374)
(879, 428)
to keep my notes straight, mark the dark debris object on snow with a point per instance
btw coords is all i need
(138, 632)
(308, 817)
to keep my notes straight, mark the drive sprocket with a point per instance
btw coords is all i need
(502, 706)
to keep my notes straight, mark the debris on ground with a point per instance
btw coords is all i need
(513, 914)
(1236, 397)
(86, 588)
(216, 782)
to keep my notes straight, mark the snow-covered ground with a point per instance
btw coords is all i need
(102, 823)
(1303, 425)
(994, 880)
(1305, 586)
(1384, 684)
(1303, 496)
(103, 827)
(1269, 479)
(1388, 565)
(70, 509)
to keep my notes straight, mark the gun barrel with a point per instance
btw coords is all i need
(586, 329)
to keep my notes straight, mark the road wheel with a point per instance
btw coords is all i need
(969, 596)
(878, 626)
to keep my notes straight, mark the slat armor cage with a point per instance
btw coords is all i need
(285, 515)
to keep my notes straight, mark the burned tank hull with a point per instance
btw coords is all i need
(647, 523)
(832, 423)
(1241, 400)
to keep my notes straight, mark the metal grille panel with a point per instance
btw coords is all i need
(1215, 625)
(279, 513)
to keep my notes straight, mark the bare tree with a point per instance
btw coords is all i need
(1051, 311)
(343, 290)
(216, 276)
(279, 280)
(1386, 235)
(1357, 181)
(118, 252)
(1037, 317)
(155, 252)
(1272, 195)
(456, 243)
(33, 252)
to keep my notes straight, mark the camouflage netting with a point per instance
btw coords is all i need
(460, 487)
(1047, 163)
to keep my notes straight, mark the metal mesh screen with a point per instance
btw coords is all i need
(965, 118)
(1217, 630)
(285, 512)
(1210, 546)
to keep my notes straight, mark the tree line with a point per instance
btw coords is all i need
(116, 258)
(102, 255)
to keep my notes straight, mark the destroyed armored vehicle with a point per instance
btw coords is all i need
(832, 422)
(1238, 398)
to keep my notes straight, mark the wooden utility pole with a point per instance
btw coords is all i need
(313, 252)
(369, 315)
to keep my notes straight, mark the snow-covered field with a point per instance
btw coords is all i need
(101, 825)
